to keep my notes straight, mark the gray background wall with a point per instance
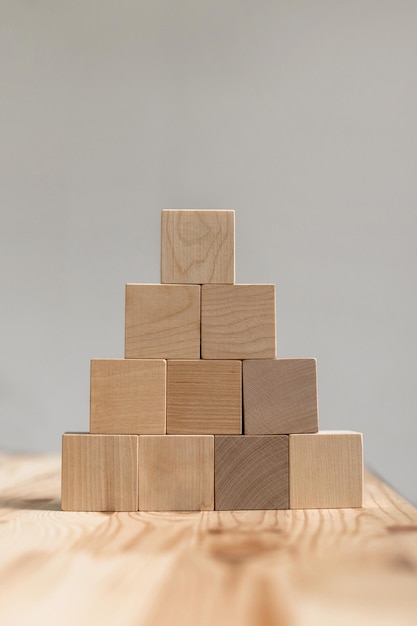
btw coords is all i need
(300, 115)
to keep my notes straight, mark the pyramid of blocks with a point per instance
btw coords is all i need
(201, 414)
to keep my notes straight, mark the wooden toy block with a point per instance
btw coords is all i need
(99, 472)
(197, 246)
(204, 397)
(251, 472)
(280, 396)
(128, 396)
(162, 322)
(176, 473)
(326, 470)
(238, 322)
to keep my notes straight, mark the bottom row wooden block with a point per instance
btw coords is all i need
(206, 472)
(99, 472)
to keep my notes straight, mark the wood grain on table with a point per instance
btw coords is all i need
(261, 568)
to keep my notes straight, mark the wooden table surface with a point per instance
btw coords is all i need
(339, 567)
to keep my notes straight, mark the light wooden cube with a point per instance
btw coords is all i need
(326, 470)
(176, 473)
(128, 396)
(204, 397)
(197, 246)
(251, 472)
(238, 322)
(162, 322)
(99, 472)
(280, 396)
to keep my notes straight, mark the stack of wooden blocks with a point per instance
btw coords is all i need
(200, 414)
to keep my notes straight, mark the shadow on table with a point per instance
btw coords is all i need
(31, 504)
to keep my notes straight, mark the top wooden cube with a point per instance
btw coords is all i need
(198, 247)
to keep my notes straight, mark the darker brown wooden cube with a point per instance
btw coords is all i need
(280, 396)
(251, 472)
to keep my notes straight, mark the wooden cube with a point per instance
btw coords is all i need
(251, 472)
(238, 322)
(204, 397)
(128, 396)
(197, 247)
(176, 473)
(326, 470)
(280, 396)
(162, 322)
(99, 472)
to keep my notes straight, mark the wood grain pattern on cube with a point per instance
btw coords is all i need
(176, 473)
(251, 472)
(128, 396)
(162, 321)
(99, 472)
(326, 470)
(197, 246)
(204, 397)
(238, 322)
(280, 396)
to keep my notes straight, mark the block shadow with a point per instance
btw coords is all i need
(31, 504)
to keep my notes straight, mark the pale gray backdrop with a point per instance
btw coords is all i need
(299, 115)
